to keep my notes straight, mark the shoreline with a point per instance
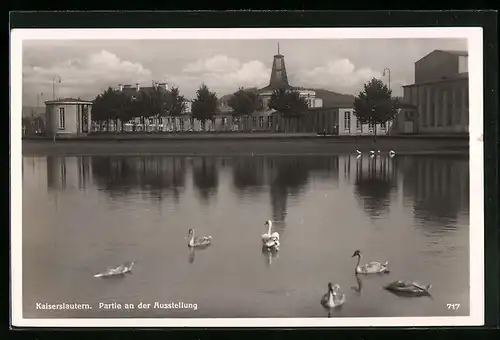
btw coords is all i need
(185, 136)
(284, 145)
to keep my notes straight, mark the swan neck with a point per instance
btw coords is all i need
(269, 229)
(359, 260)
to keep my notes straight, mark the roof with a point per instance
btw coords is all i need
(456, 77)
(459, 53)
(272, 88)
(406, 105)
(67, 101)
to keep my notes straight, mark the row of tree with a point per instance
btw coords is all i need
(373, 105)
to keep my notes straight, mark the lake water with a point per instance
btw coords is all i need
(84, 214)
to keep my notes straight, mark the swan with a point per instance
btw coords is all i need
(333, 298)
(370, 268)
(270, 240)
(408, 288)
(392, 153)
(268, 235)
(272, 243)
(118, 270)
(358, 152)
(198, 241)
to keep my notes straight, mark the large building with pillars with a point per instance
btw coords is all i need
(440, 93)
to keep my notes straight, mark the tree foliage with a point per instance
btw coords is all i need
(176, 104)
(156, 102)
(104, 106)
(375, 104)
(288, 102)
(243, 102)
(112, 104)
(205, 104)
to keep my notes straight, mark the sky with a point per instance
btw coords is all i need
(87, 67)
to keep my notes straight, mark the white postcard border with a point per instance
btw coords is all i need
(474, 35)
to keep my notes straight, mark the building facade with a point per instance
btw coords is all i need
(440, 93)
(349, 125)
(68, 116)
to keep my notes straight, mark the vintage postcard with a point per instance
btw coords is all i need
(305, 177)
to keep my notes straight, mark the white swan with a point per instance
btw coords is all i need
(198, 241)
(370, 268)
(270, 240)
(408, 288)
(333, 298)
(268, 235)
(118, 270)
(392, 153)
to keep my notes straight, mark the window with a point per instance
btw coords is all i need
(224, 121)
(278, 62)
(370, 126)
(347, 121)
(254, 122)
(270, 122)
(359, 127)
(383, 126)
(62, 119)
(261, 122)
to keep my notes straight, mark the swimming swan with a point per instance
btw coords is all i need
(407, 288)
(333, 298)
(370, 268)
(198, 241)
(268, 235)
(119, 270)
(270, 240)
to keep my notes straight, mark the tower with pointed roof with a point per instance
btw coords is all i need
(279, 78)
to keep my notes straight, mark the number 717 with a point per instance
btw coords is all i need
(453, 306)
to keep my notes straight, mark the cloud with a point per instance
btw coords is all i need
(221, 74)
(339, 75)
(84, 77)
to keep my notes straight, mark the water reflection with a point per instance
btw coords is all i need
(119, 175)
(438, 189)
(102, 215)
(249, 174)
(436, 186)
(205, 177)
(375, 181)
(269, 254)
(359, 285)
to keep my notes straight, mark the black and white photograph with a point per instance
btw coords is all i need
(261, 177)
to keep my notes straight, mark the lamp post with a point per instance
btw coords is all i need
(56, 77)
(388, 71)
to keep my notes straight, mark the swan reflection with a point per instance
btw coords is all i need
(270, 254)
(359, 285)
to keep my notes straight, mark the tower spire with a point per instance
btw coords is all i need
(278, 47)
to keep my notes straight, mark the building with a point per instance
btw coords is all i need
(279, 80)
(440, 94)
(349, 125)
(68, 116)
